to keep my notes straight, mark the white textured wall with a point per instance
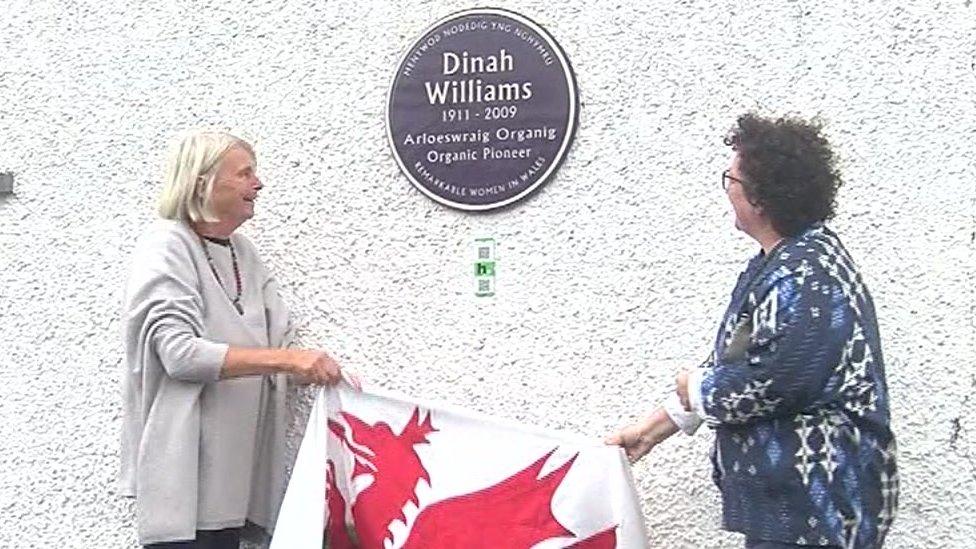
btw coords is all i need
(611, 279)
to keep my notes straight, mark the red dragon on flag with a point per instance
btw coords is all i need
(515, 513)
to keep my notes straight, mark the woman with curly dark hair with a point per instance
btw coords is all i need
(795, 386)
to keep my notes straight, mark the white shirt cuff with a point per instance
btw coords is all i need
(688, 422)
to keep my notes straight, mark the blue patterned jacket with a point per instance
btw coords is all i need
(796, 393)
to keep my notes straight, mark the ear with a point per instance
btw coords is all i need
(754, 202)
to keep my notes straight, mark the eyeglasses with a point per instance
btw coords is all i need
(727, 179)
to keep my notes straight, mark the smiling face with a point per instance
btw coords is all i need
(235, 187)
(748, 216)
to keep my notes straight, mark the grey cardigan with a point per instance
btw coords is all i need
(171, 290)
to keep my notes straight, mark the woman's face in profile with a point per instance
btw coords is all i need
(235, 187)
(747, 215)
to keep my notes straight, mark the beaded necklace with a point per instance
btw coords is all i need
(236, 300)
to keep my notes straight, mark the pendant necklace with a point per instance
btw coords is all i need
(236, 300)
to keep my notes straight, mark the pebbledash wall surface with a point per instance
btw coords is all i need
(610, 279)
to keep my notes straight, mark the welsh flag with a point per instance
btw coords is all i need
(381, 471)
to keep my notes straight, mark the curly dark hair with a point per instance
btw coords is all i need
(789, 170)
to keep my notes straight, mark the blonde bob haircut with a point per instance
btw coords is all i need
(191, 168)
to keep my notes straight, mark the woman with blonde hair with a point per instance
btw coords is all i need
(206, 358)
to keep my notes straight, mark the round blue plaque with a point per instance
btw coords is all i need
(482, 110)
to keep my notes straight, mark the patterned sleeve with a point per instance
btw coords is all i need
(783, 365)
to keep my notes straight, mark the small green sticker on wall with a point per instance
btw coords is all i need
(484, 267)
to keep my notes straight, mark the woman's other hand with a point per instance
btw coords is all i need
(640, 438)
(315, 367)
(635, 439)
